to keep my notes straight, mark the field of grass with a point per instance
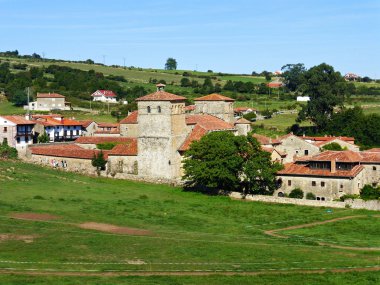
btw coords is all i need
(190, 232)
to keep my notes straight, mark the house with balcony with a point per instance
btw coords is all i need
(57, 127)
(17, 131)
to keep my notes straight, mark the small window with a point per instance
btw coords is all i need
(313, 183)
(373, 167)
(18, 139)
(289, 182)
(27, 139)
(323, 198)
(318, 198)
(159, 109)
(322, 184)
(306, 152)
(281, 194)
(148, 109)
(341, 186)
(5, 129)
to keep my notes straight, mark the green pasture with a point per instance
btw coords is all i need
(189, 231)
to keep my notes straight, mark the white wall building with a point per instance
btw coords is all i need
(106, 96)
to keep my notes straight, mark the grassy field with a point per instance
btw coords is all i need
(189, 232)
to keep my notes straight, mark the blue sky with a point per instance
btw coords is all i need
(237, 36)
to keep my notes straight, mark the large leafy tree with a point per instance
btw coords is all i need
(326, 89)
(292, 74)
(171, 64)
(223, 161)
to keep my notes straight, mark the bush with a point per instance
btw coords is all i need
(106, 146)
(349, 196)
(332, 146)
(7, 152)
(250, 116)
(370, 193)
(310, 196)
(296, 193)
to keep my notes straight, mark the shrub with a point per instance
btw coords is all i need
(349, 196)
(250, 116)
(7, 152)
(332, 146)
(296, 193)
(106, 146)
(370, 193)
(310, 196)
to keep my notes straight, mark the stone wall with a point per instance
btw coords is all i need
(129, 130)
(294, 146)
(354, 204)
(221, 109)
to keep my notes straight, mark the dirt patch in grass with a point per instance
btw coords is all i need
(24, 238)
(114, 229)
(34, 216)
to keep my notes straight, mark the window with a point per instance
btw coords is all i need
(18, 139)
(374, 168)
(26, 139)
(313, 183)
(323, 198)
(318, 198)
(159, 109)
(148, 109)
(5, 129)
(306, 152)
(77, 132)
(322, 184)
(341, 186)
(289, 182)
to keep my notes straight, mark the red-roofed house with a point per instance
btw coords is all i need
(57, 127)
(331, 174)
(17, 131)
(107, 96)
(49, 102)
(108, 130)
(217, 105)
(128, 125)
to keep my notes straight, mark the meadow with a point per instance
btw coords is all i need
(166, 230)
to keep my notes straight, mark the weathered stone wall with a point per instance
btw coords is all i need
(129, 130)
(221, 109)
(295, 146)
(334, 187)
(354, 204)
(122, 165)
(90, 130)
(159, 136)
(243, 129)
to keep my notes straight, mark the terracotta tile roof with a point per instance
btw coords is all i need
(196, 134)
(106, 93)
(345, 156)
(18, 120)
(285, 136)
(243, 109)
(50, 121)
(275, 84)
(208, 122)
(49, 95)
(242, 121)
(69, 151)
(86, 123)
(304, 170)
(373, 150)
(108, 125)
(327, 138)
(131, 118)
(214, 97)
(265, 140)
(125, 149)
(161, 96)
(190, 108)
(96, 140)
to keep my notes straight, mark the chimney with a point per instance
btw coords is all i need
(333, 166)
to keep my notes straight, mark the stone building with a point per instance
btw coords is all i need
(331, 174)
(89, 127)
(217, 105)
(129, 126)
(295, 147)
(17, 131)
(49, 102)
(107, 130)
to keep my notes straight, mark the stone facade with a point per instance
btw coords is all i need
(129, 130)
(295, 147)
(222, 109)
(48, 102)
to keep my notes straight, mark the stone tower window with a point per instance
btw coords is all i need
(159, 109)
(148, 109)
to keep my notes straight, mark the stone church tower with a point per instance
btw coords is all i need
(161, 131)
(217, 105)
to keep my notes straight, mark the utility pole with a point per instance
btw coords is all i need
(104, 59)
(124, 62)
(28, 112)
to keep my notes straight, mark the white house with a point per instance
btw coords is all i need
(104, 96)
(17, 131)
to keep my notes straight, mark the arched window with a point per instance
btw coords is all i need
(281, 194)
(148, 109)
(159, 109)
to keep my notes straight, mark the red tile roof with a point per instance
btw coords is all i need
(327, 138)
(96, 140)
(208, 122)
(345, 156)
(70, 151)
(161, 96)
(50, 121)
(214, 97)
(49, 95)
(373, 150)
(18, 120)
(108, 125)
(126, 149)
(109, 132)
(265, 140)
(196, 134)
(243, 109)
(131, 118)
(304, 170)
(86, 123)
(242, 121)
(190, 108)
(106, 93)
(275, 84)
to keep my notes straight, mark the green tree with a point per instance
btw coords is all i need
(296, 193)
(7, 152)
(171, 64)
(185, 82)
(310, 196)
(19, 98)
(43, 138)
(326, 89)
(333, 146)
(370, 193)
(292, 74)
(99, 162)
